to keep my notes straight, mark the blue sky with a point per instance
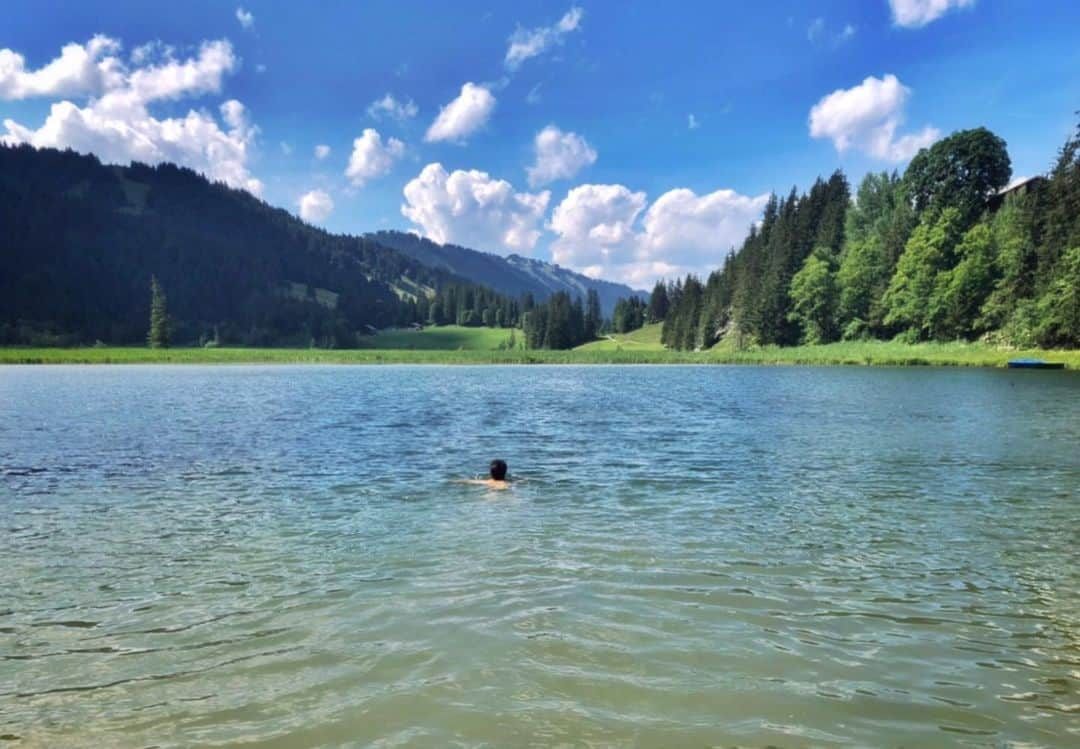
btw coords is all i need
(625, 140)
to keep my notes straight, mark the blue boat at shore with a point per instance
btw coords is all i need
(1035, 364)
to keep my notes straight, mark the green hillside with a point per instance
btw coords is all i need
(81, 241)
(646, 338)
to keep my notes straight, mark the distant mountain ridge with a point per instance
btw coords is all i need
(513, 275)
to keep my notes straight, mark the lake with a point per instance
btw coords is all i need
(737, 556)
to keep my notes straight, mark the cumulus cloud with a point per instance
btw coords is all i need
(116, 123)
(246, 18)
(81, 69)
(463, 116)
(595, 228)
(388, 106)
(316, 206)
(173, 79)
(322, 151)
(867, 117)
(371, 158)
(913, 14)
(473, 209)
(599, 233)
(528, 43)
(559, 155)
(695, 232)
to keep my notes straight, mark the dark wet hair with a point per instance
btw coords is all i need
(498, 470)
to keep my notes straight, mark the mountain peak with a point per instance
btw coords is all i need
(512, 274)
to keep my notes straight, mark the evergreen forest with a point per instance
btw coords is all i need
(943, 252)
(82, 242)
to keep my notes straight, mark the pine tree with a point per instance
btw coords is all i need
(1059, 306)
(593, 315)
(658, 303)
(159, 316)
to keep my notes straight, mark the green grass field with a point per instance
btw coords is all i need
(458, 345)
(442, 338)
(646, 338)
(889, 353)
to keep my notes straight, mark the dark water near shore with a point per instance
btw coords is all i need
(733, 556)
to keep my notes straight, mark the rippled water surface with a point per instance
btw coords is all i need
(276, 556)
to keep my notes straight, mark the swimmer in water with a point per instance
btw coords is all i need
(496, 479)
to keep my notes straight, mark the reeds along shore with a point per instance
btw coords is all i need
(868, 353)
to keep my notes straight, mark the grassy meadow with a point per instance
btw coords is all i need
(646, 338)
(459, 345)
(443, 338)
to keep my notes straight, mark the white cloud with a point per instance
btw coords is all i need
(246, 18)
(818, 33)
(370, 158)
(463, 116)
(559, 155)
(81, 69)
(388, 106)
(681, 232)
(316, 206)
(174, 79)
(146, 53)
(913, 14)
(322, 151)
(570, 21)
(595, 228)
(94, 69)
(528, 43)
(473, 209)
(533, 97)
(234, 114)
(116, 123)
(696, 232)
(286, 148)
(866, 117)
(692, 122)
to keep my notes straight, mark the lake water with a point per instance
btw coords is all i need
(732, 556)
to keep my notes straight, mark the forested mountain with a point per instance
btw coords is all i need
(941, 253)
(81, 241)
(513, 275)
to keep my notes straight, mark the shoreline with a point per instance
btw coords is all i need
(886, 354)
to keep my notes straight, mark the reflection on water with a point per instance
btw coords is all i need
(702, 556)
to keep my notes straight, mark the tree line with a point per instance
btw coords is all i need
(561, 322)
(938, 253)
(468, 305)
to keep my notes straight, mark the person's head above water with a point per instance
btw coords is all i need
(498, 470)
